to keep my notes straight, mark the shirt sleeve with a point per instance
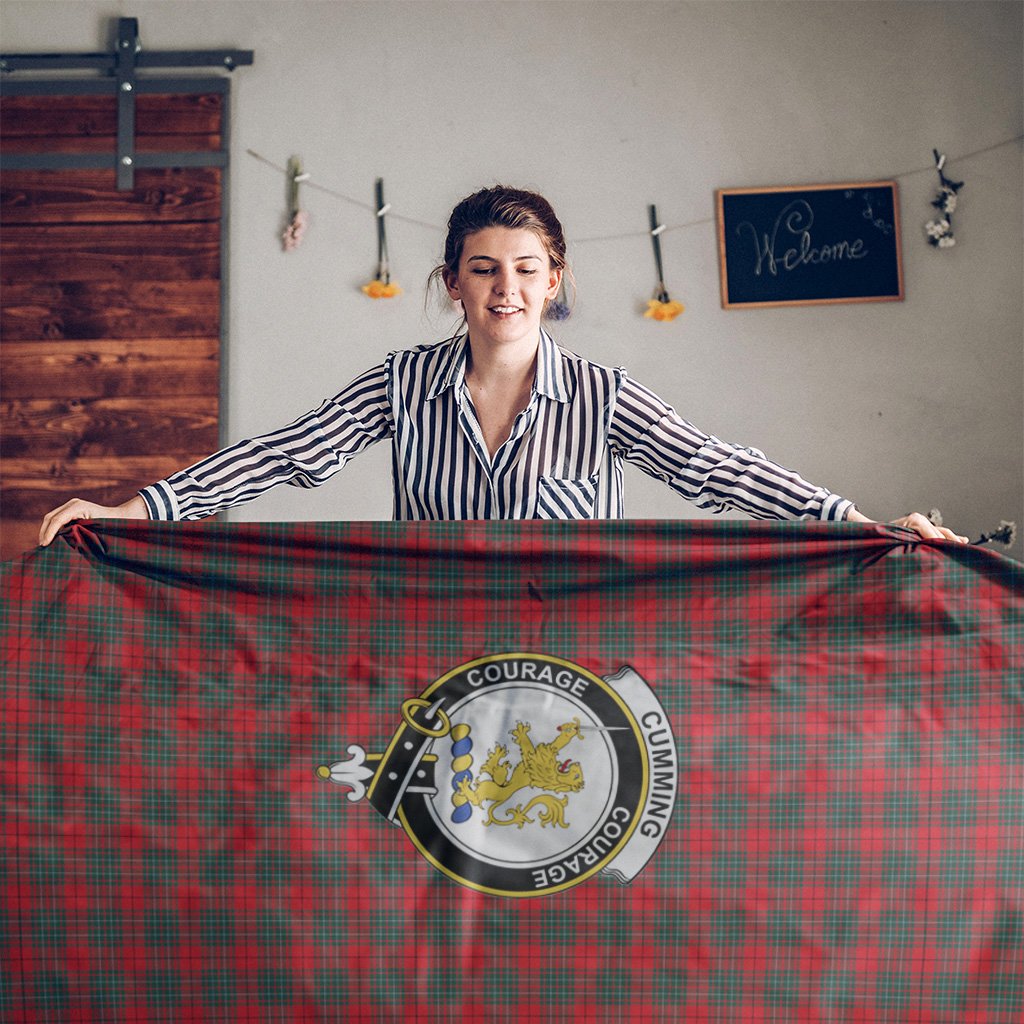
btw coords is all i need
(711, 473)
(304, 454)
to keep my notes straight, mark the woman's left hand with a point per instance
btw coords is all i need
(920, 524)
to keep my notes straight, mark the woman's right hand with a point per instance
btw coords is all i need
(76, 508)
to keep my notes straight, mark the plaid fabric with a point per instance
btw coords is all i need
(846, 706)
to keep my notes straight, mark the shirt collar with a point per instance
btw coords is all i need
(451, 370)
(550, 379)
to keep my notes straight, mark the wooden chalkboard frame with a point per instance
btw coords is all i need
(735, 297)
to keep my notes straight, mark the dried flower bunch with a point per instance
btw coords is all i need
(378, 289)
(940, 231)
(558, 308)
(1005, 533)
(661, 307)
(381, 287)
(296, 229)
(298, 218)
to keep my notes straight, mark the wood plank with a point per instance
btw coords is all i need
(30, 487)
(82, 116)
(88, 471)
(110, 369)
(18, 537)
(82, 197)
(179, 143)
(110, 252)
(73, 428)
(94, 310)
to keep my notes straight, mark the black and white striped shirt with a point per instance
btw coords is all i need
(562, 460)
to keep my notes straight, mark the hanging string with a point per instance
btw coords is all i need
(614, 237)
(311, 184)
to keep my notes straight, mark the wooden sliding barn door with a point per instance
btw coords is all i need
(111, 303)
(110, 309)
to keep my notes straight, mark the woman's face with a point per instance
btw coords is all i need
(505, 278)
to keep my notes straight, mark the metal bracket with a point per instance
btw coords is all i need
(123, 65)
(128, 46)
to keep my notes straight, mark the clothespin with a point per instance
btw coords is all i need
(940, 163)
(295, 178)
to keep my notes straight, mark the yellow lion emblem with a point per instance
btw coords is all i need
(539, 768)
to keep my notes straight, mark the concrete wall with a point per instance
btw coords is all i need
(606, 107)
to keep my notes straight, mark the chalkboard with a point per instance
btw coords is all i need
(812, 244)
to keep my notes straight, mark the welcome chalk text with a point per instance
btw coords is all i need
(795, 220)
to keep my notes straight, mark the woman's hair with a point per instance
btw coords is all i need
(501, 207)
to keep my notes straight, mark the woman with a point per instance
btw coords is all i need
(497, 422)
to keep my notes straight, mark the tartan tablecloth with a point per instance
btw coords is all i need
(507, 771)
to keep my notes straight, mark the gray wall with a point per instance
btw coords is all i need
(606, 107)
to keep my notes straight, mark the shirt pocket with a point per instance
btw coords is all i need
(565, 498)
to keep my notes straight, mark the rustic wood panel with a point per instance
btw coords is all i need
(107, 144)
(156, 114)
(110, 252)
(29, 488)
(53, 428)
(110, 369)
(18, 536)
(91, 310)
(80, 197)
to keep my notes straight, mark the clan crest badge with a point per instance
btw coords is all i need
(524, 774)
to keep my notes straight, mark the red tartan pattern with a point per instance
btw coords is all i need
(847, 705)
